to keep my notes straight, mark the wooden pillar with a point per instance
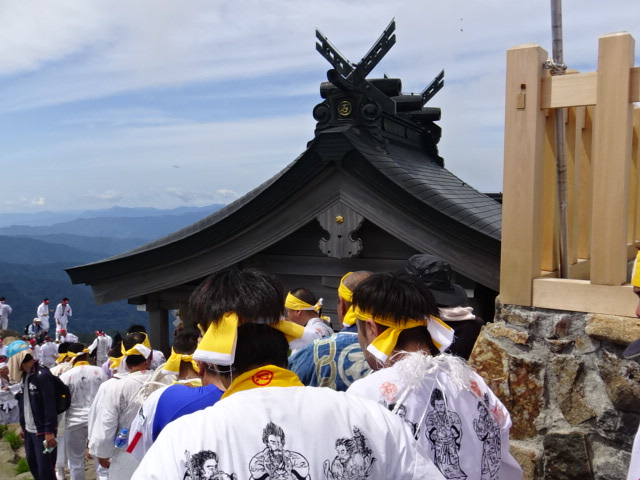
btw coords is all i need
(159, 330)
(635, 161)
(611, 160)
(584, 184)
(523, 174)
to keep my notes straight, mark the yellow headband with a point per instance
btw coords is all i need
(173, 363)
(294, 303)
(635, 274)
(143, 349)
(343, 291)
(74, 355)
(347, 295)
(384, 344)
(218, 345)
(61, 357)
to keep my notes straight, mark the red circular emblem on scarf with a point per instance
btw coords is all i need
(262, 378)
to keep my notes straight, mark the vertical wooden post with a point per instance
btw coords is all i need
(633, 182)
(584, 183)
(611, 159)
(571, 139)
(159, 330)
(550, 257)
(523, 175)
(635, 158)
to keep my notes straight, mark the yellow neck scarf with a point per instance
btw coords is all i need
(384, 344)
(173, 363)
(347, 295)
(218, 345)
(635, 274)
(267, 376)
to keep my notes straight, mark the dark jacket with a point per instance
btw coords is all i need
(42, 396)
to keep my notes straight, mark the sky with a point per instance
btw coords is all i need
(158, 103)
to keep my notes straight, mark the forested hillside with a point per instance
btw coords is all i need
(33, 260)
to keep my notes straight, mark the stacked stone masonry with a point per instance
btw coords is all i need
(574, 401)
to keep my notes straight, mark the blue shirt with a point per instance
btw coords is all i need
(335, 362)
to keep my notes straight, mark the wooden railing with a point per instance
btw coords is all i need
(602, 169)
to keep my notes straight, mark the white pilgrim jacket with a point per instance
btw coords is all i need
(287, 432)
(114, 408)
(84, 382)
(451, 411)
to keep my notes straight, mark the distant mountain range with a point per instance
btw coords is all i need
(36, 248)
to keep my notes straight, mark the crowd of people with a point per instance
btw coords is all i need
(390, 396)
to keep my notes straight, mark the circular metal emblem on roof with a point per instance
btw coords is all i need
(345, 108)
(339, 219)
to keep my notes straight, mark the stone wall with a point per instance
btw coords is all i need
(574, 402)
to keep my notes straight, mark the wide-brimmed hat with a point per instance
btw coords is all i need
(436, 274)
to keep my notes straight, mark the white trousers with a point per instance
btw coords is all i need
(75, 444)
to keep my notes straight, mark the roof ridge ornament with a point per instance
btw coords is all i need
(352, 77)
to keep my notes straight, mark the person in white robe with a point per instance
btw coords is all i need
(43, 313)
(262, 427)
(83, 380)
(61, 316)
(303, 309)
(9, 411)
(100, 347)
(450, 410)
(49, 352)
(116, 405)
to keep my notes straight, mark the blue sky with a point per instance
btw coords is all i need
(159, 103)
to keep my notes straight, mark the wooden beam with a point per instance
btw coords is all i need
(569, 90)
(583, 296)
(611, 159)
(523, 174)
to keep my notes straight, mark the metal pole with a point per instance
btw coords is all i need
(561, 162)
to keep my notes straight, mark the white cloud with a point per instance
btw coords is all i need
(211, 97)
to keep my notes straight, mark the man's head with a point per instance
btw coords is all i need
(76, 352)
(206, 463)
(45, 301)
(436, 274)
(238, 306)
(36, 321)
(273, 437)
(302, 305)
(137, 350)
(65, 300)
(348, 284)
(2, 299)
(398, 301)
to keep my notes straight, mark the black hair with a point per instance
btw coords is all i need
(259, 345)
(186, 341)
(398, 296)
(136, 327)
(65, 299)
(252, 294)
(64, 347)
(305, 295)
(130, 341)
(76, 347)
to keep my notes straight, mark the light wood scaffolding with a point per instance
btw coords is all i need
(603, 195)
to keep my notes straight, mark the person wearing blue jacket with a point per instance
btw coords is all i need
(38, 416)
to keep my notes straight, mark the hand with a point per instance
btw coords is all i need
(22, 434)
(87, 454)
(50, 438)
(104, 462)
